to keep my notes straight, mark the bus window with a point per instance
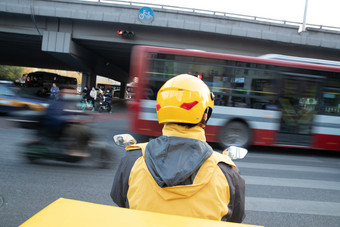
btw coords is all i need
(331, 101)
(331, 95)
(298, 101)
(263, 90)
(70, 81)
(233, 83)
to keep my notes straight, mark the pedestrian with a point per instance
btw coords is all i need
(54, 92)
(93, 93)
(93, 97)
(86, 93)
(179, 173)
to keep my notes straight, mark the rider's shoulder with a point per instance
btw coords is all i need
(220, 157)
(137, 146)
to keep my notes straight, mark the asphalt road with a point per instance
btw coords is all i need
(284, 187)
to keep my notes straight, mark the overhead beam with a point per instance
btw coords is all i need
(110, 70)
(61, 46)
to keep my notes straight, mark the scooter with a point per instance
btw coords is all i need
(75, 143)
(67, 150)
(105, 104)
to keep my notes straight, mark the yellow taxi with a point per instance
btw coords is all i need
(12, 100)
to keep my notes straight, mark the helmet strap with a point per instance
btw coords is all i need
(202, 125)
(204, 120)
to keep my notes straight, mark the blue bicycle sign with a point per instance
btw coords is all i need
(145, 15)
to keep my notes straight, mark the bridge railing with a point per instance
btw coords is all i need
(213, 13)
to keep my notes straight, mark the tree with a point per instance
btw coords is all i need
(10, 72)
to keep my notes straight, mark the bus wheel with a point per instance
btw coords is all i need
(235, 133)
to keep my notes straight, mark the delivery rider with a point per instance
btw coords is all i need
(179, 173)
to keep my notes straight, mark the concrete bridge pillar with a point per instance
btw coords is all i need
(89, 80)
(122, 90)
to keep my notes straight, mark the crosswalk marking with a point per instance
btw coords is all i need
(289, 182)
(288, 158)
(287, 167)
(320, 206)
(292, 206)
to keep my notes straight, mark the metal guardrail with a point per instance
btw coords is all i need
(211, 13)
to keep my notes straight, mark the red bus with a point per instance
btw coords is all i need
(258, 101)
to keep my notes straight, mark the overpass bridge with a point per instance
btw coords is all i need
(82, 35)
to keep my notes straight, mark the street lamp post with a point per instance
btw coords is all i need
(304, 17)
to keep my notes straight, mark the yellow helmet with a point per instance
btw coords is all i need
(184, 99)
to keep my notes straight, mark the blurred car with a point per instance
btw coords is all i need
(12, 100)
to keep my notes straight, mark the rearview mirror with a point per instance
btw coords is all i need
(235, 152)
(124, 140)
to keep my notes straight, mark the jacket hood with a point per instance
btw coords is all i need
(174, 160)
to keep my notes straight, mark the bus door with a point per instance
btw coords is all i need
(298, 102)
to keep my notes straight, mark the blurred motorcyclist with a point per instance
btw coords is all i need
(60, 122)
(179, 173)
(54, 122)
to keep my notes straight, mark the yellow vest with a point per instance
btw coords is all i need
(208, 197)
